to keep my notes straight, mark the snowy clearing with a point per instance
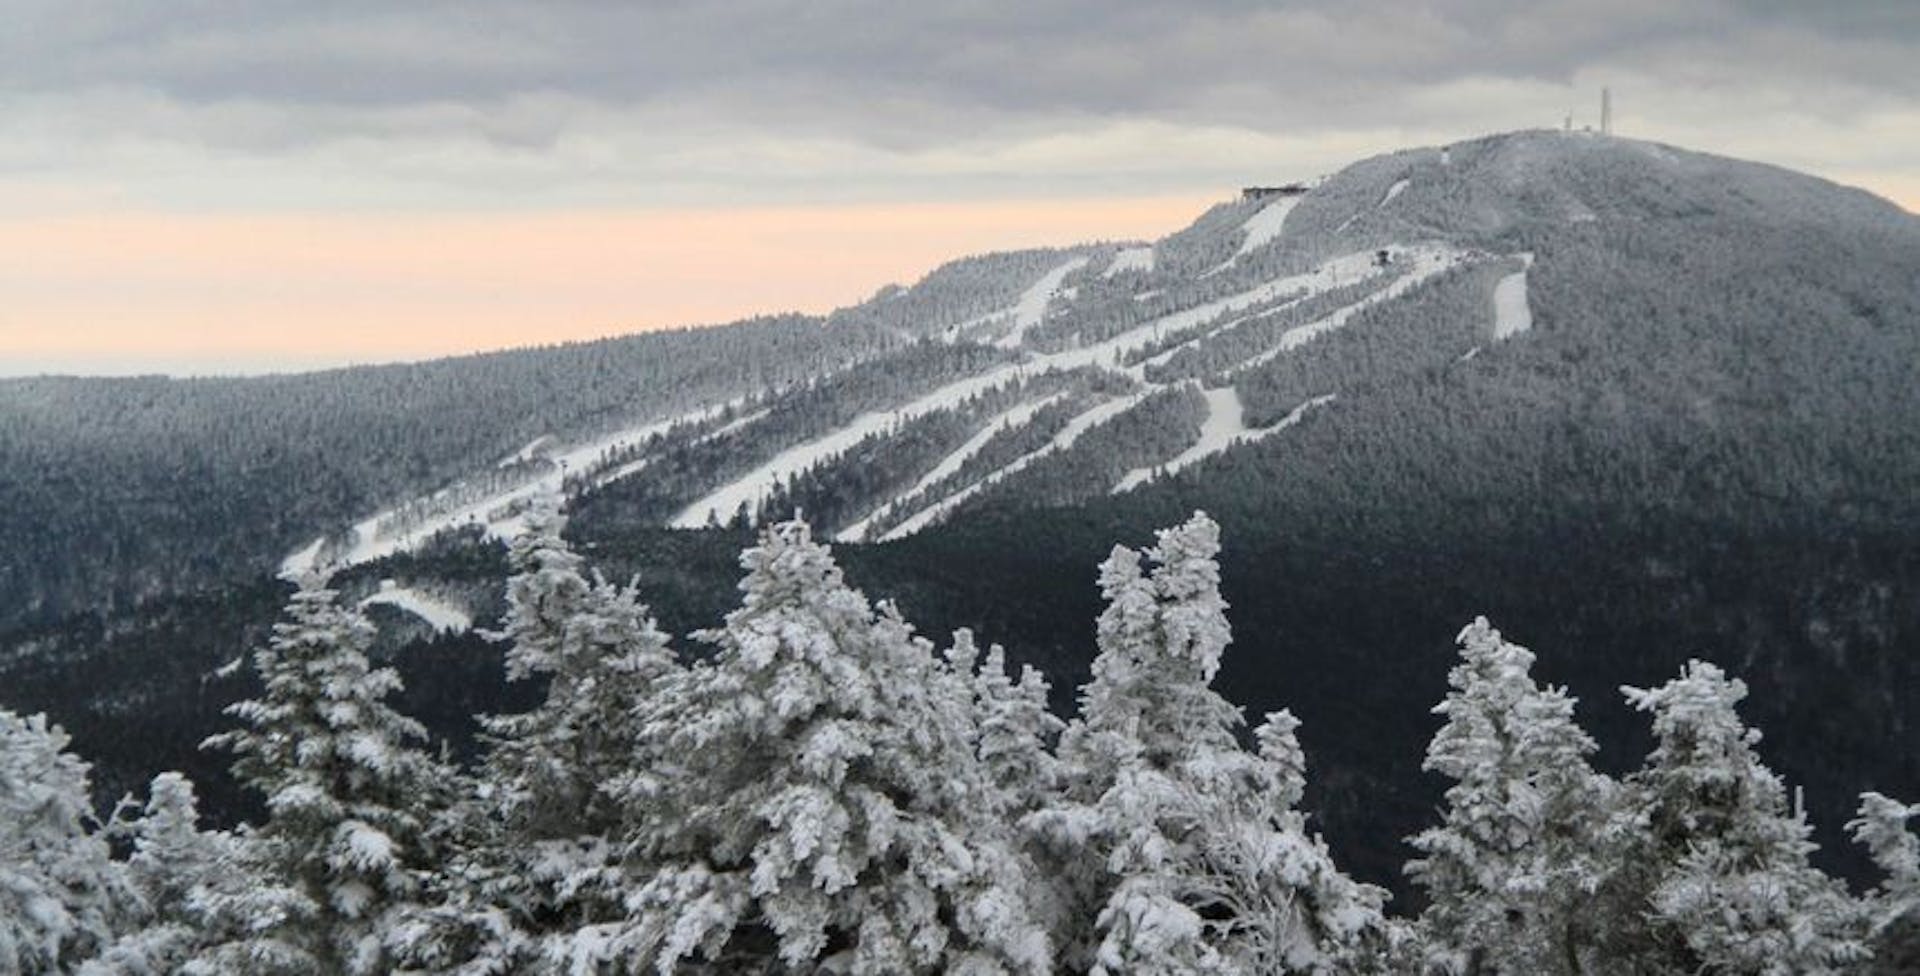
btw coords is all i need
(1033, 303)
(1017, 416)
(1130, 259)
(443, 617)
(1061, 441)
(1512, 314)
(1399, 186)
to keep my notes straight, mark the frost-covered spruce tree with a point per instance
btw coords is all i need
(175, 868)
(348, 791)
(1517, 857)
(832, 813)
(1715, 876)
(61, 893)
(1182, 849)
(1894, 906)
(550, 843)
(1014, 730)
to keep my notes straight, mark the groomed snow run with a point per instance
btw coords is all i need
(1061, 441)
(1428, 260)
(1014, 417)
(1033, 303)
(1130, 259)
(1512, 314)
(755, 485)
(1225, 426)
(1258, 231)
(443, 617)
(499, 514)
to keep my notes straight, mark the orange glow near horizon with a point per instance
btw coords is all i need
(227, 293)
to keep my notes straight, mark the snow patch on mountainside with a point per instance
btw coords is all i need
(1130, 259)
(1512, 314)
(1033, 303)
(1017, 416)
(1399, 186)
(443, 617)
(1062, 441)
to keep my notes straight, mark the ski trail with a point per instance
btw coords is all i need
(1014, 417)
(497, 513)
(1512, 314)
(1061, 441)
(443, 617)
(1032, 306)
(1259, 230)
(1130, 259)
(1428, 260)
(1225, 427)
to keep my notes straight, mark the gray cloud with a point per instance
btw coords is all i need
(664, 101)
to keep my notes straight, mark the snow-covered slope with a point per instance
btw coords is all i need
(1046, 347)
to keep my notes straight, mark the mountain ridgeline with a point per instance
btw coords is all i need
(1636, 403)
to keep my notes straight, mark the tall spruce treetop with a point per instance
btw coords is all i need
(832, 806)
(1882, 829)
(347, 789)
(1179, 845)
(1722, 860)
(548, 859)
(61, 895)
(1517, 856)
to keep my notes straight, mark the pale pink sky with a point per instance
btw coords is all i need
(135, 292)
(235, 186)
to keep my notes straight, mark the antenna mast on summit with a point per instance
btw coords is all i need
(1606, 111)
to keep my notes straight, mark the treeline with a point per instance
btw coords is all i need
(819, 789)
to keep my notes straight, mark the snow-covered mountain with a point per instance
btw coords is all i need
(1068, 374)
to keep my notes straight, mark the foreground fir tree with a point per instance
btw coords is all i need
(348, 791)
(1714, 876)
(831, 813)
(178, 872)
(549, 854)
(1893, 908)
(1509, 872)
(1179, 850)
(61, 895)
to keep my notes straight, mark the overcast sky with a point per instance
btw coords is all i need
(208, 186)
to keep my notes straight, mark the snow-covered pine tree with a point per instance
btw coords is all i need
(1894, 906)
(550, 841)
(1016, 731)
(348, 791)
(1517, 856)
(1181, 847)
(833, 815)
(174, 869)
(61, 893)
(1713, 875)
